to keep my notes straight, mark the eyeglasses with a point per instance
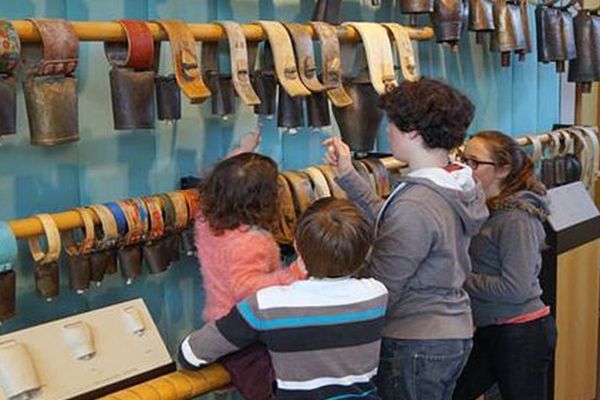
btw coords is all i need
(473, 163)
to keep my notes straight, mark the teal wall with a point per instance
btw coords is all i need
(105, 165)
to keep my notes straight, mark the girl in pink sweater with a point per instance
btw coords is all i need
(237, 252)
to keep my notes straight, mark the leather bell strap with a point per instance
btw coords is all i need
(595, 155)
(302, 190)
(379, 54)
(157, 225)
(119, 216)
(584, 156)
(110, 231)
(406, 55)
(181, 211)
(365, 173)
(555, 143)
(319, 182)
(52, 238)
(144, 217)
(305, 56)
(135, 226)
(283, 55)
(169, 214)
(138, 52)
(185, 60)
(192, 199)
(568, 146)
(332, 64)
(10, 48)
(8, 247)
(591, 170)
(60, 48)
(536, 156)
(382, 177)
(240, 64)
(329, 174)
(284, 230)
(85, 246)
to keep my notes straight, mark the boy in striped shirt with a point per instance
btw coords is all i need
(323, 334)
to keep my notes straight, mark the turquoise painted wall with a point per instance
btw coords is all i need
(105, 165)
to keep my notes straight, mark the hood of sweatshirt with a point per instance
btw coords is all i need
(456, 185)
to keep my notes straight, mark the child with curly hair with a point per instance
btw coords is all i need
(237, 252)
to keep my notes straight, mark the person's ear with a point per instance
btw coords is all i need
(503, 171)
(414, 134)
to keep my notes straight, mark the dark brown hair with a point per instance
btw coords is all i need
(333, 238)
(240, 190)
(504, 150)
(440, 113)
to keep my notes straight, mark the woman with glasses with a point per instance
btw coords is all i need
(516, 335)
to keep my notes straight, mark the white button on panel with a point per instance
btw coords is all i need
(79, 338)
(134, 320)
(18, 377)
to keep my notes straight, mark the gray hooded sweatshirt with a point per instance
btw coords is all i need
(420, 252)
(506, 257)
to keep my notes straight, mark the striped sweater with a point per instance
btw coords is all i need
(323, 335)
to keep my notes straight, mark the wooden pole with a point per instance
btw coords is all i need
(108, 31)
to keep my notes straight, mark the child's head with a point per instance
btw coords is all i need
(501, 165)
(240, 190)
(332, 238)
(427, 112)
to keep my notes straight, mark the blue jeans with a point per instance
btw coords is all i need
(421, 369)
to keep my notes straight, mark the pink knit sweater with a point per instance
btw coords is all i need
(236, 265)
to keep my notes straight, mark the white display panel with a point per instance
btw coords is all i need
(81, 354)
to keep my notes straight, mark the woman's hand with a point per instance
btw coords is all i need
(338, 155)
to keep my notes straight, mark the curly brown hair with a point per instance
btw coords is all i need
(440, 113)
(240, 190)
(505, 150)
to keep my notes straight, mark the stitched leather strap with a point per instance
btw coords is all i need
(157, 225)
(382, 178)
(10, 48)
(302, 190)
(305, 56)
(283, 55)
(332, 65)
(60, 47)
(379, 54)
(135, 225)
(584, 156)
(240, 65)
(284, 229)
(110, 233)
(536, 156)
(169, 214)
(320, 184)
(52, 239)
(119, 216)
(181, 211)
(593, 161)
(185, 60)
(192, 199)
(406, 55)
(8, 247)
(138, 52)
(329, 174)
(85, 246)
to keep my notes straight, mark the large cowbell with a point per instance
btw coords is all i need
(8, 105)
(585, 69)
(317, 107)
(327, 11)
(449, 20)
(132, 95)
(168, 98)
(481, 16)
(290, 111)
(359, 122)
(52, 109)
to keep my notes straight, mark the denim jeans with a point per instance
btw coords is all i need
(420, 369)
(517, 357)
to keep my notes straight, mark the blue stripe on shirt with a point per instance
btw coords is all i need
(353, 396)
(294, 322)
